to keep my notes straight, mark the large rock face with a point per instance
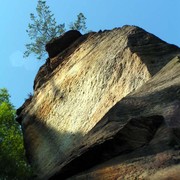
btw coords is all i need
(97, 100)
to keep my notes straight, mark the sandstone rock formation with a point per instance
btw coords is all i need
(107, 107)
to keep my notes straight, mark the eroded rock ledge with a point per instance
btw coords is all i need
(106, 103)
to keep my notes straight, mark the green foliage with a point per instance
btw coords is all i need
(79, 24)
(44, 27)
(4, 96)
(12, 159)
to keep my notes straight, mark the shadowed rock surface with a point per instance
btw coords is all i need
(105, 108)
(57, 45)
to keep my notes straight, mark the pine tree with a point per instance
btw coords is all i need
(43, 28)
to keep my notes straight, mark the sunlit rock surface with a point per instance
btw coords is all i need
(139, 138)
(76, 119)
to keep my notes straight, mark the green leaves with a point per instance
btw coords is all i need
(43, 28)
(4, 96)
(80, 23)
(12, 159)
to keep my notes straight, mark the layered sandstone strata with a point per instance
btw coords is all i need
(76, 119)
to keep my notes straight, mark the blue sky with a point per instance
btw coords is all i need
(160, 17)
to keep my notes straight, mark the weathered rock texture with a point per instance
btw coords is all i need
(107, 107)
(141, 130)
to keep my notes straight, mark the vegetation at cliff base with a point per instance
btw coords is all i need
(43, 28)
(13, 164)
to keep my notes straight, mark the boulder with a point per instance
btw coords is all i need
(108, 108)
(138, 138)
(59, 44)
